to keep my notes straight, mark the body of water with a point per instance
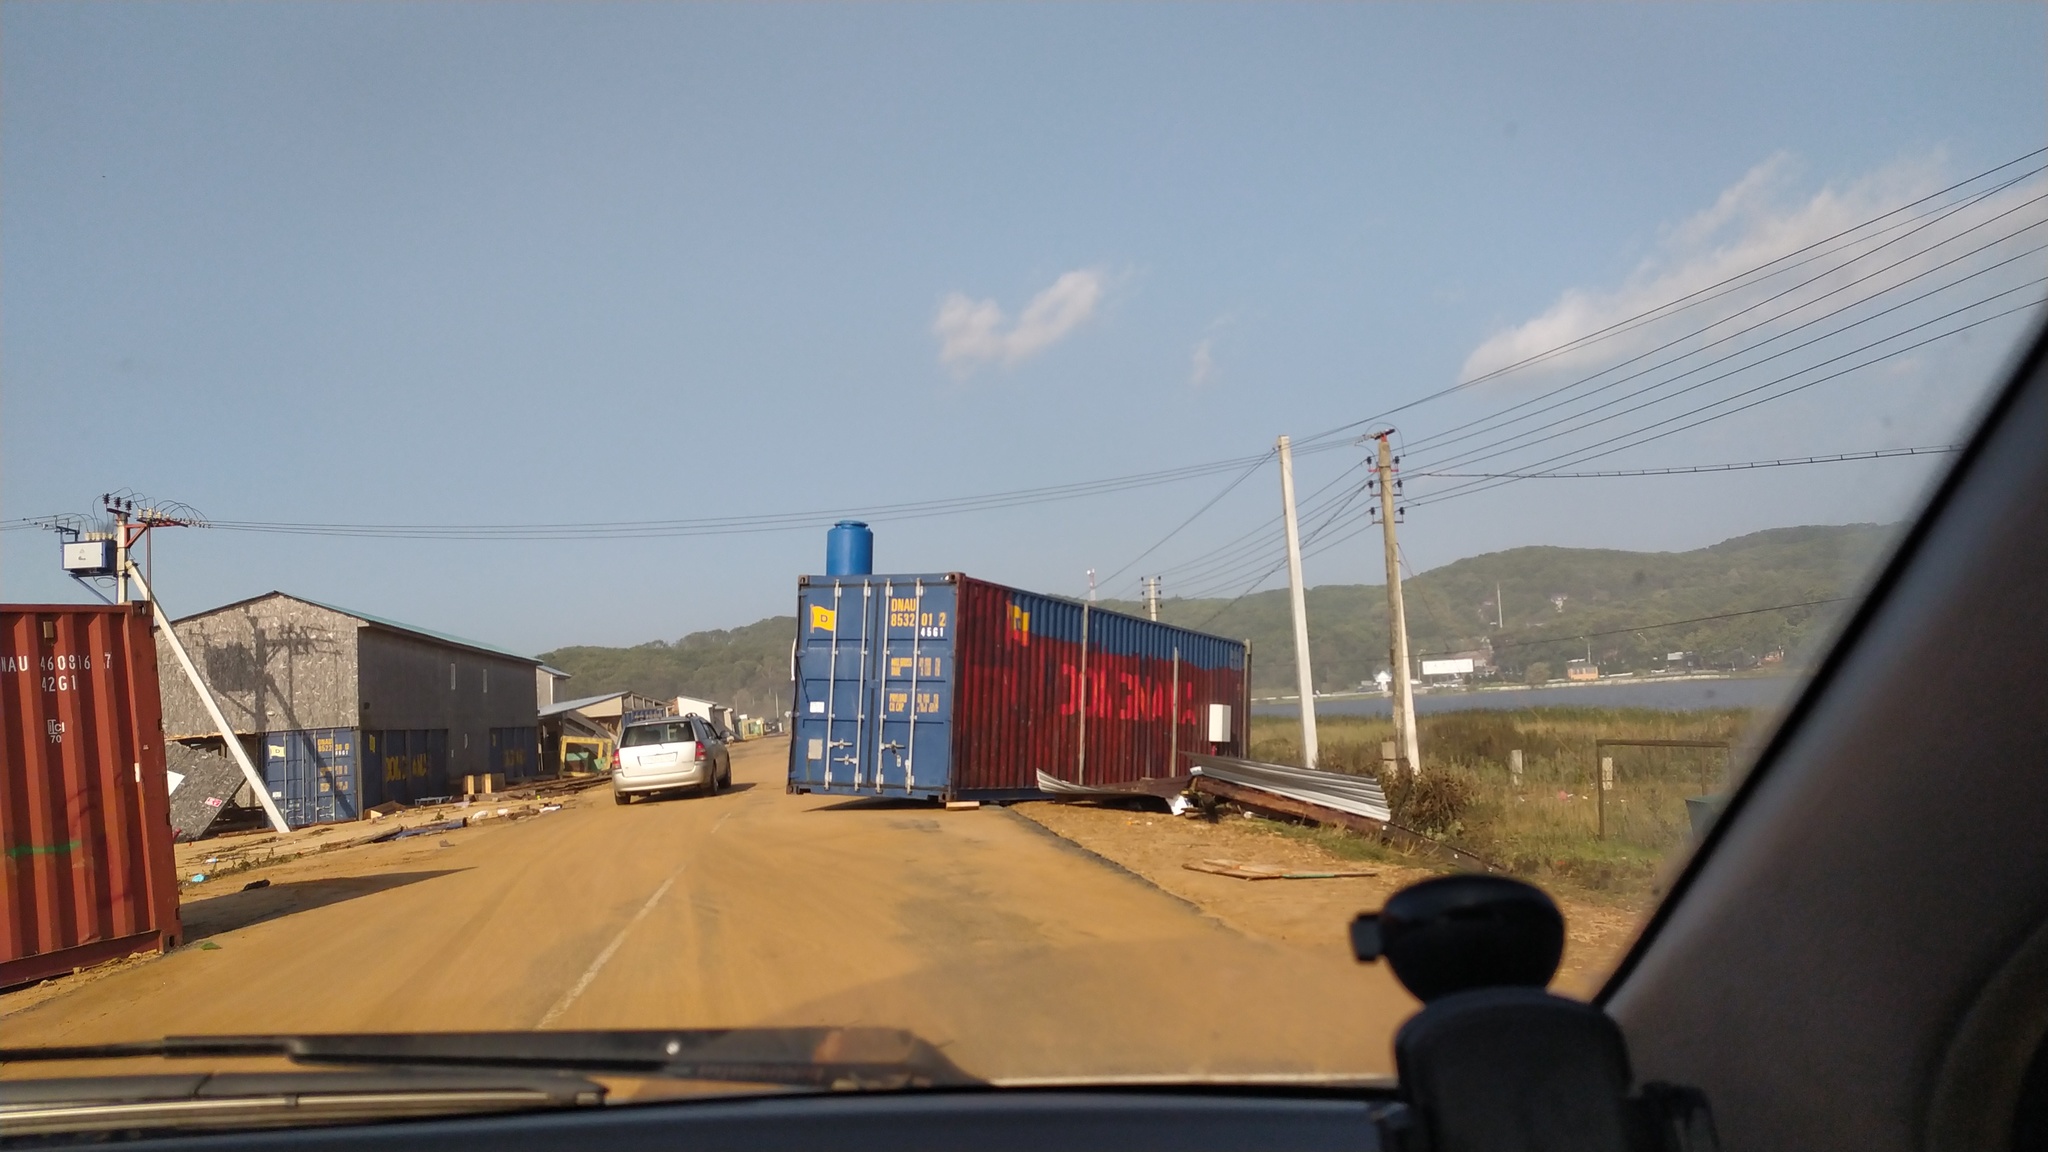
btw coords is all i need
(1669, 695)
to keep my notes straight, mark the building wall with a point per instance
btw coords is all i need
(274, 664)
(409, 683)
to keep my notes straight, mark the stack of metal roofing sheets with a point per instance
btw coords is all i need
(1358, 795)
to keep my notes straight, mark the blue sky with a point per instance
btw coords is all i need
(507, 264)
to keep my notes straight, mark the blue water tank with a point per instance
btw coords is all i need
(849, 549)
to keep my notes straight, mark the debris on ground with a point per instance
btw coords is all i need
(253, 885)
(962, 805)
(1244, 871)
(422, 830)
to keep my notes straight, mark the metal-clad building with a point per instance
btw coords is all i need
(346, 710)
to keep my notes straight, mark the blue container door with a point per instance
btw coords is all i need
(513, 752)
(430, 757)
(913, 740)
(395, 764)
(311, 775)
(335, 761)
(873, 699)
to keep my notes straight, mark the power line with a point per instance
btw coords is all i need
(1474, 427)
(1692, 469)
(1672, 307)
(1213, 500)
(1570, 636)
(1585, 452)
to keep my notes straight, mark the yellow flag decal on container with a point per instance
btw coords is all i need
(824, 619)
(1020, 625)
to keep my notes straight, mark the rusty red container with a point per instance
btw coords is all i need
(943, 686)
(84, 800)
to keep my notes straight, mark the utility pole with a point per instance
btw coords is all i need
(1500, 610)
(1091, 585)
(1152, 597)
(120, 512)
(1397, 618)
(1301, 668)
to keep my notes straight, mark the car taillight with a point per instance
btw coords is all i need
(698, 754)
(615, 759)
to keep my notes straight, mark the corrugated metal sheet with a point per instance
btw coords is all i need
(943, 685)
(84, 811)
(312, 775)
(1358, 795)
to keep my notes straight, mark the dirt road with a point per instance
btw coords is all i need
(1021, 954)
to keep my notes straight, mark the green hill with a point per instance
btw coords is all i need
(1553, 597)
(747, 667)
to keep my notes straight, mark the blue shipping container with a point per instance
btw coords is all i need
(405, 765)
(311, 773)
(939, 685)
(515, 753)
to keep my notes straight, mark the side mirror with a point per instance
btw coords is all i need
(1493, 1062)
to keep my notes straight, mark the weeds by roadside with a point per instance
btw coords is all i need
(1542, 824)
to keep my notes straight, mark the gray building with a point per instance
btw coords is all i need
(343, 710)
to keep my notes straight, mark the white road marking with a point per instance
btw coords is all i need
(720, 824)
(605, 956)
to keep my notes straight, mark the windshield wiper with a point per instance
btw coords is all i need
(31, 1109)
(834, 1059)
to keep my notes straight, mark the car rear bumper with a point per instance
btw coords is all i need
(689, 774)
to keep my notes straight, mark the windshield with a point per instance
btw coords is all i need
(640, 734)
(1074, 391)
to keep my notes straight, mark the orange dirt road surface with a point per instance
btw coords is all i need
(1022, 955)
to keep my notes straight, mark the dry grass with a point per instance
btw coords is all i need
(1544, 828)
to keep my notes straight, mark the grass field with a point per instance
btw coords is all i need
(1543, 826)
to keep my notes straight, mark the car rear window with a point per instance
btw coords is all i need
(643, 734)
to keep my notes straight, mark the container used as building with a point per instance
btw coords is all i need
(312, 775)
(84, 801)
(943, 686)
(515, 753)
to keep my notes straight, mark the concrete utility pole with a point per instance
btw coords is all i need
(1152, 597)
(120, 552)
(1500, 610)
(1301, 668)
(235, 751)
(1397, 618)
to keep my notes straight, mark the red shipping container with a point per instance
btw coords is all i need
(84, 802)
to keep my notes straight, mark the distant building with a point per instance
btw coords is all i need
(342, 710)
(1581, 670)
(722, 715)
(547, 685)
(610, 712)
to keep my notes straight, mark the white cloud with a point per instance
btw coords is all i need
(1757, 219)
(976, 332)
(1202, 366)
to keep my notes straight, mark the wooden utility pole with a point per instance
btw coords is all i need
(1301, 668)
(1397, 618)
